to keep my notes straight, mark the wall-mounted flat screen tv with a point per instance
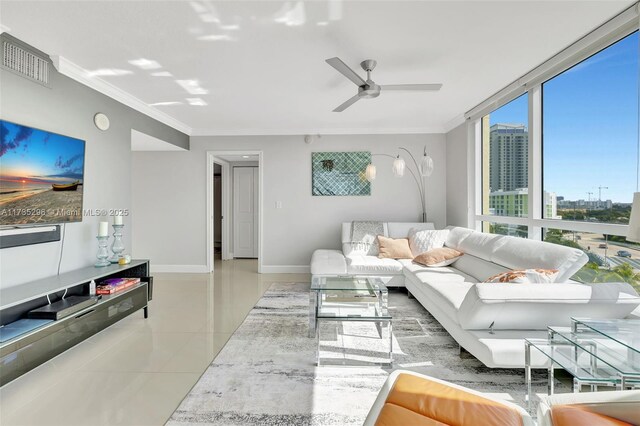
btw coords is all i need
(41, 176)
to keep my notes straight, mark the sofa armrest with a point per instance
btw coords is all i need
(622, 405)
(535, 306)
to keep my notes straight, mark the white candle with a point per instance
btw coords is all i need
(103, 230)
(117, 220)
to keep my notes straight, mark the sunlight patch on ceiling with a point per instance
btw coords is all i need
(192, 87)
(217, 37)
(229, 27)
(167, 103)
(291, 15)
(145, 64)
(197, 102)
(108, 72)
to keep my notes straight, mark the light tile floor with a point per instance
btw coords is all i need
(137, 371)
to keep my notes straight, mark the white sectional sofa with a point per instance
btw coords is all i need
(489, 320)
(350, 261)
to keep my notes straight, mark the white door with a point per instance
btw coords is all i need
(245, 212)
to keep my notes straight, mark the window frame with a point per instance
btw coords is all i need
(534, 220)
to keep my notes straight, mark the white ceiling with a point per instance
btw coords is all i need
(259, 66)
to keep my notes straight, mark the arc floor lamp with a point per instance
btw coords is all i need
(423, 169)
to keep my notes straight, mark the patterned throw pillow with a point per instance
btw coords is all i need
(438, 257)
(421, 240)
(525, 276)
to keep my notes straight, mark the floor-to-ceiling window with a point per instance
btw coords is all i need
(590, 136)
(561, 163)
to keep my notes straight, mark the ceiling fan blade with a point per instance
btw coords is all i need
(344, 69)
(347, 104)
(432, 87)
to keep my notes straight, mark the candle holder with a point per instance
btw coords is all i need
(103, 253)
(118, 246)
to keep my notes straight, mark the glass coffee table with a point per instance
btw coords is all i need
(595, 352)
(349, 300)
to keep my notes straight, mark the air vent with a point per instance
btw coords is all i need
(25, 63)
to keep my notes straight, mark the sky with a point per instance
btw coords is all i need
(590, 125)
(35, 157)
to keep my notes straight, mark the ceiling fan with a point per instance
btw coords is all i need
(369, 89)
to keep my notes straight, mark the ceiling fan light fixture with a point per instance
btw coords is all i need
(368, 89)
(398, 167)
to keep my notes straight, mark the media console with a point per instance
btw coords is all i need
(30, 349)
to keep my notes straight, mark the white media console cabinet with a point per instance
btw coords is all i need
(28, 350)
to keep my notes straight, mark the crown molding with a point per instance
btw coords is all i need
(316, 131)
(453, 123)
(79, 74)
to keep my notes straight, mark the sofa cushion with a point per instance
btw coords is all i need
(422, 241)
(394, 248)
(450, 405)
(391, 229)
(479, 268)
(522, 253)
(445, 286)
(440, 274)
(479, 244)
(395, 415)
(621, 404)
(517, 253)
(570, 415)
(372, 265)
(328, 262)
(438, 257)
(536, 306)
(456, 235)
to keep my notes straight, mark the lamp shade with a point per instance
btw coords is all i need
(426, 166)
(398, 167)
(633, 234)
(370, 172)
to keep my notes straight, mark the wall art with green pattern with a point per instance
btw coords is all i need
(340, 173)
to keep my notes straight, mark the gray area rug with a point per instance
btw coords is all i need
(266, 373)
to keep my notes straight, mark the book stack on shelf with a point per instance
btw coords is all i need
(114, 285)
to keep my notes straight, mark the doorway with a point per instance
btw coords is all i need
(217, 211)
(245, 211)
(234, 206)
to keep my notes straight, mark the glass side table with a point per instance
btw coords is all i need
(349, 300)
(595, 352)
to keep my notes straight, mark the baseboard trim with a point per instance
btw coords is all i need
(189, 269)
(285, 269)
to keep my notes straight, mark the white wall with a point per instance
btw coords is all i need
(169, 196)
(457, 176)
(68, 108)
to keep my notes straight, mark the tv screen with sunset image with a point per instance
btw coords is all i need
(41, 176)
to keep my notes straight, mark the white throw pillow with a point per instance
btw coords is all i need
(423, 240)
